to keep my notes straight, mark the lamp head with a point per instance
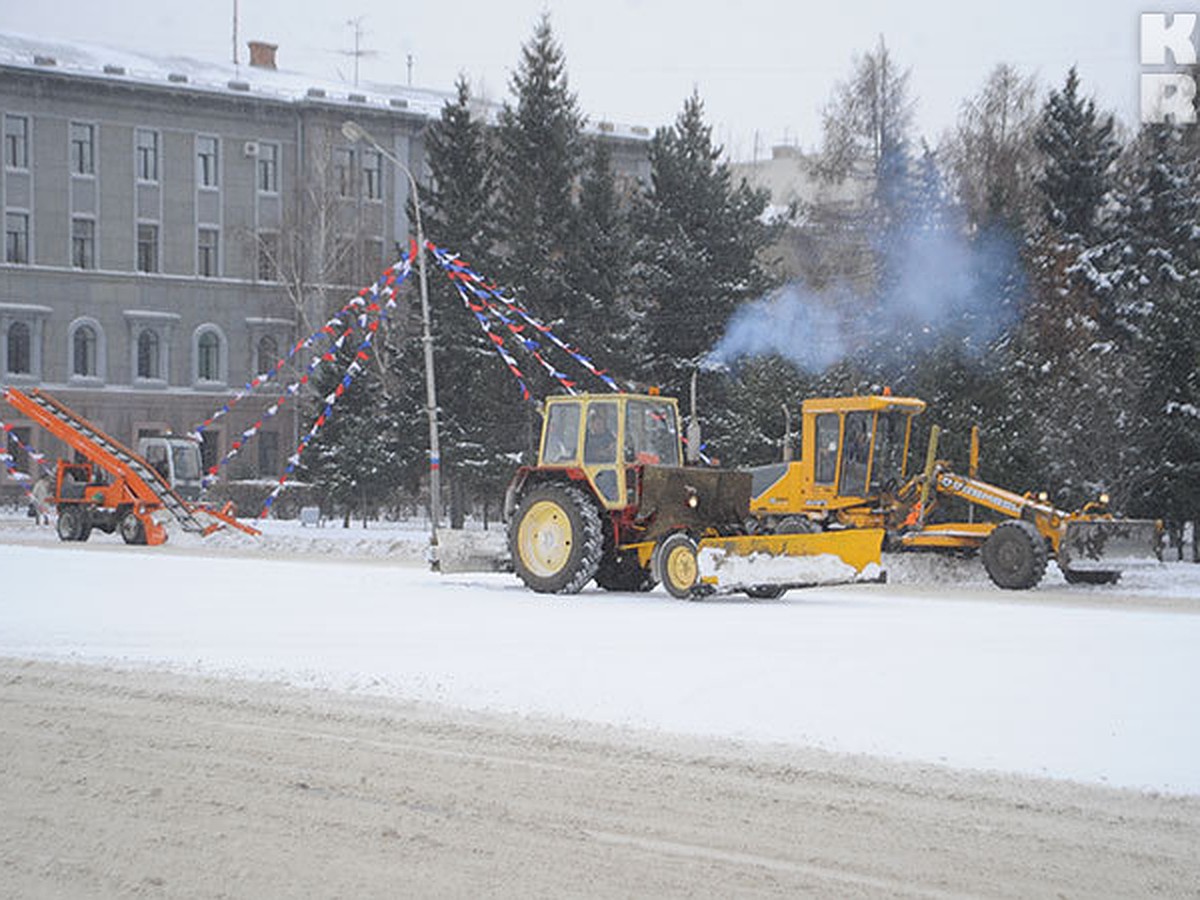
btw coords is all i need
(352, 131)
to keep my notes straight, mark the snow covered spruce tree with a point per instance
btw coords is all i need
(699, 252)
(355, 457)
(1073, 365)
(1161, 293)
(598, 264)
(539, 159)
(475, 401)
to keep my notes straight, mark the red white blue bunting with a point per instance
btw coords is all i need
(369, 316)
(24, 479)
(484, 298)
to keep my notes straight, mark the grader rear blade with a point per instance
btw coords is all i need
(1110, 545)
(791, 560)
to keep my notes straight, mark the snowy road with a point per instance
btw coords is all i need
(1102, 691)
(122, 784)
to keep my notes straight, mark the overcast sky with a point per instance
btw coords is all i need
(762, 67)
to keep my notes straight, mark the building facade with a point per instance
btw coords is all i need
(172, 228)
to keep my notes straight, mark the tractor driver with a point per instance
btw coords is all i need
(601, 444)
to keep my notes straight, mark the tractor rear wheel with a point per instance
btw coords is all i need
(677, 566)
(1014, 555)
(555, 539)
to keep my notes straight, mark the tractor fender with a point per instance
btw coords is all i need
(512, 493)
(527, 477)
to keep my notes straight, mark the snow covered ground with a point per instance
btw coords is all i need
(1094, 684)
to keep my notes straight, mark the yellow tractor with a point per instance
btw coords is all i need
(611, 500)
(853, 473)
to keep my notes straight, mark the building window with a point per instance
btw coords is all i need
(208, 356)
(18, 443)
(16, 237)
(343, 171)
(373, 257)
(147, 155)
(373, 175)
(268, 256)
(206, 253)
(345, 266)
(206, 161)
(149, 354)
(84, 347)
(268, 168)
(20, 349)
(268, 454)
(268, 354)
(147, 247)
(83, 243)
(210, 444)
(16, 142)
(83, 149)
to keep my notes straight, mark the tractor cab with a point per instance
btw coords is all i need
(607, 436)
(177, 459)
(853, 449)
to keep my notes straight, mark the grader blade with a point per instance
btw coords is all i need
(460, 551)
(1110, 545)
(791, 560)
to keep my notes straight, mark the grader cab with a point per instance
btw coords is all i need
(854, 473)
(611, 500)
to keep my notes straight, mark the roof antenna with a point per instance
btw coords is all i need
(358, 53)
(235, 42)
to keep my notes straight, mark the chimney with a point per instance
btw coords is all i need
(262, 54)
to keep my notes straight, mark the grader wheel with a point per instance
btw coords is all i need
(622, 572)
(1014, 555)
(555, 539)
(1104, 576)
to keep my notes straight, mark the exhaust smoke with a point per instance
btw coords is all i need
(933, 284)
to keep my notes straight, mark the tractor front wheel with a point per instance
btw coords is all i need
(556, 540)
(677, 566)
(1014, 555)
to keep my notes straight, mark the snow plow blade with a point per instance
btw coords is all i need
(1110, 545)
(791, 560)
(459, 551)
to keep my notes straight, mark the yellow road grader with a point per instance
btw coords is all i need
(853, 473)
(610, 499)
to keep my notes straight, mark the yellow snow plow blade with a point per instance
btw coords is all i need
(791, 560)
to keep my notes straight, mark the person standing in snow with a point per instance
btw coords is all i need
(40, 492)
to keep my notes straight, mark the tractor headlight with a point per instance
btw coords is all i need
(1104, 499)
(693, 499)
(1043, 496)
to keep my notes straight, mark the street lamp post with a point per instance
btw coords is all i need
(355, 132)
